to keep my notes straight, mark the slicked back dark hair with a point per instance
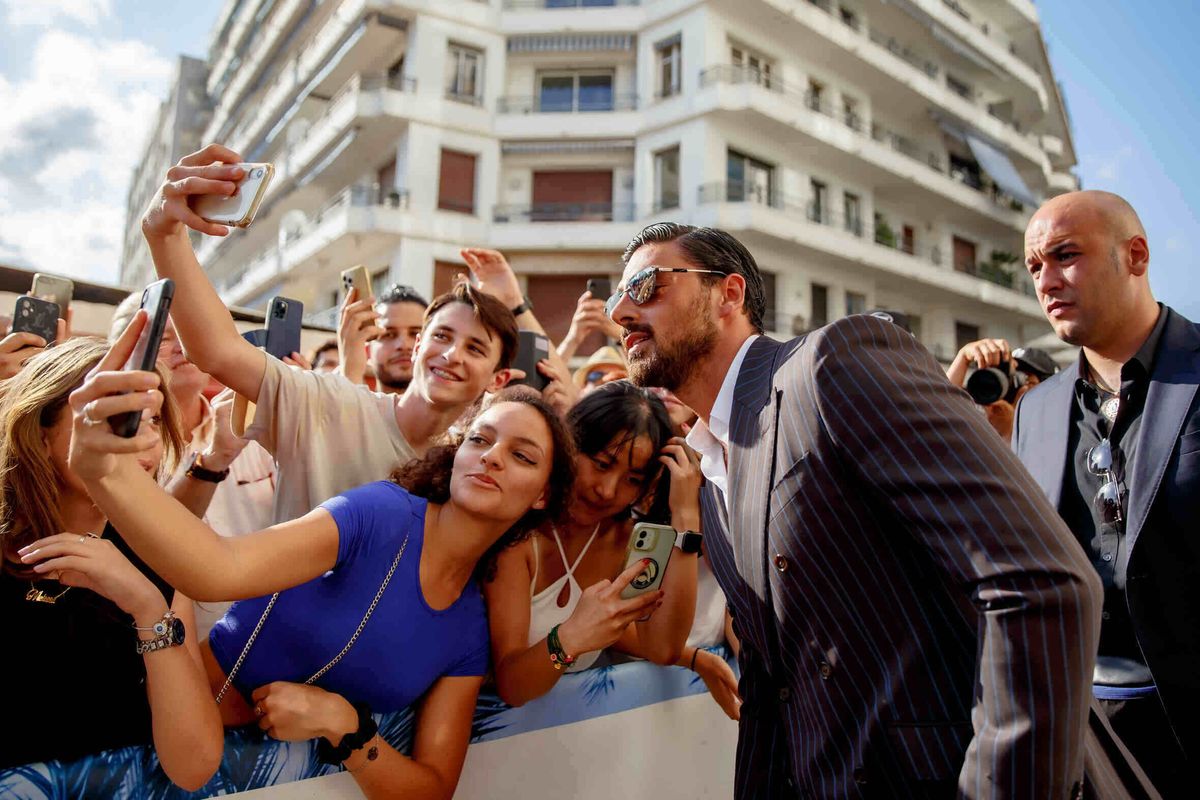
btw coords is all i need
(399, 293)
(710, 248)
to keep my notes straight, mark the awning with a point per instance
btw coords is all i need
(997, 164)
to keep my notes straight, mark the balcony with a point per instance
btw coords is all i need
(932, 174)
(564, 212)
(526, 5)
(535, 104)
(830, 233)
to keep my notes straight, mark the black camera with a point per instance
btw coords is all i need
(1000, 382)
(1003, 381)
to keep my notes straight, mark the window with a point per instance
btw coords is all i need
(856, 303)
(964, 334)
(750, 66)
(666, 179)
(848, 17)
(456, 182)
(670, 57)
(385, 177)
(908, 240)
(576, 92)
(815, 96)
(572, 195)
(749, 179)
(770, 316)
(818, 316)
(818, 209)
(966, 171)
(464, 74)
(852, 213)
(960, 87)
(964, 256)
(850, 113)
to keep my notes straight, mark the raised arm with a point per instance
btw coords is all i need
(919, 448)
(206, 330)
(187, 553)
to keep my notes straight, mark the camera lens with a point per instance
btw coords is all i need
(280, 309)
(986, 386)
(258, 173)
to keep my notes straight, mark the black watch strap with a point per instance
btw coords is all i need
(195, 470)
(367, 728)
(688, 542)
(525, 306)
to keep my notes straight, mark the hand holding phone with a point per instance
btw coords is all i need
(285, 320)
(156, 301)
(358, 277)
(239, 208)
(532, 347)
(36, 316)
(599, 288)
(653, 543)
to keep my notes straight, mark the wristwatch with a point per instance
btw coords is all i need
(521, 309)
(168, 632)
(688, 542)
(197, 470)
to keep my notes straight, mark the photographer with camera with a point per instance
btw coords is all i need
(1000, 377)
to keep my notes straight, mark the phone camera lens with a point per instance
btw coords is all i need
(258, 173)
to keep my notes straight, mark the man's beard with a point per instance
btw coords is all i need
(671, 364)
(392, 379)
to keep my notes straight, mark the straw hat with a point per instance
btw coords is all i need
(607, 356)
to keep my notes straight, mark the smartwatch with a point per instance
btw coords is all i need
(688, 542)
(521, 309)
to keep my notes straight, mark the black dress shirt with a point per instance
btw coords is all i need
(1104, 542)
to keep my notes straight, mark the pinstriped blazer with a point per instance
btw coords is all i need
(914, 615)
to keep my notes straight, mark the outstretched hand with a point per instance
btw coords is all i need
(493, 275)
(211, 170)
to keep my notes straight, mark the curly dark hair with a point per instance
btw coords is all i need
(429, 477)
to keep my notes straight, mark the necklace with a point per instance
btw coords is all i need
(36, 595)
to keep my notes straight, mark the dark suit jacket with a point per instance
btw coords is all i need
(913, 614)
(1162, 556)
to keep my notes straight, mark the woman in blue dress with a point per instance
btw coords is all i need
(369, 603)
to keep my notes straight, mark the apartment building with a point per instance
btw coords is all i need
(181, 120)
(870, 153)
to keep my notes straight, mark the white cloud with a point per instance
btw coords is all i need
(1109, 167)
(70, 134)
(43, 13)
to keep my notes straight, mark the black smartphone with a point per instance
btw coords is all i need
(285, 318)
(156, 299)
(532, 347)
(35, 315)
(599, 288)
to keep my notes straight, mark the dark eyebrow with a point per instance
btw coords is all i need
(525, 440)
(444, 328)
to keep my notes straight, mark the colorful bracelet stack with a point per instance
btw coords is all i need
(558, 657)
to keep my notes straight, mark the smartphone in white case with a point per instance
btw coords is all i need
(239, 208)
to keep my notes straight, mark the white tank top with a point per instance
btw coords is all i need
(544, 611)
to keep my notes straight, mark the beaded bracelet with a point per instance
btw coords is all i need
(558, 657)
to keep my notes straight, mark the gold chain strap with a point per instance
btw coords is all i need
(271, 604)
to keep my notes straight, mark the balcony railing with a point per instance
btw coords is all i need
(535, 104)
(356, 195)
(461, 97)
(527, 4)
(823, 214)
(818, 103)
(564, 212)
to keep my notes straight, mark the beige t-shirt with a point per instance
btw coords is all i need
(327, 435)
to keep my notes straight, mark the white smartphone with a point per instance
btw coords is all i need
(53, 288)
(239, 208)
(357, 277)
(650, 541)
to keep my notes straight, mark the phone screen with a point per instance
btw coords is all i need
(532, 348)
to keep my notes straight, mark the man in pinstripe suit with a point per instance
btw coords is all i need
(915, 619)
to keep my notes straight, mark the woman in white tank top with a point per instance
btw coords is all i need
(562, 585)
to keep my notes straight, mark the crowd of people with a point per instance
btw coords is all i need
(918, 609)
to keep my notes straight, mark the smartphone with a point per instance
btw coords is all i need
(358, 277)
(285, 318)
(35, 315)
(239, 209)
(156, 299)
(55, 289)
(532, 347)
(655, 542)
(599, 288)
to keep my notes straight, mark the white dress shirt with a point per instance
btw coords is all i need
(711, 439)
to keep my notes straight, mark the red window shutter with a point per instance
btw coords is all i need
(456, 182)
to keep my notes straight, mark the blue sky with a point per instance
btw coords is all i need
(80, 81)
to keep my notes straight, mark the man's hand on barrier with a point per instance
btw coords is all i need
(721, 682)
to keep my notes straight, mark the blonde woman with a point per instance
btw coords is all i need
(84, 666)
